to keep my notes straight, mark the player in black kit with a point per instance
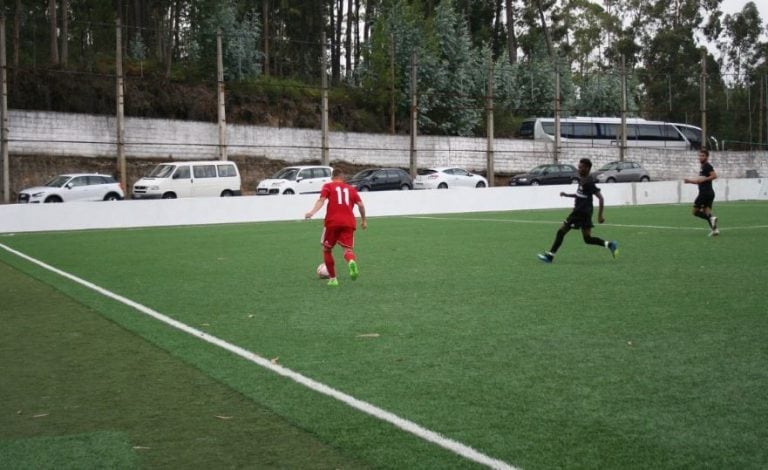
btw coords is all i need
(581, 216)
(702, 206)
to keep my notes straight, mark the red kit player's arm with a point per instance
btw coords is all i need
(318, 205)
(361, 208)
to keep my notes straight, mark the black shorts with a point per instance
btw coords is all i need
(705, 199)
(579, 220)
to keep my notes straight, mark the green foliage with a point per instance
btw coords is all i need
(659, 40)
(240, 40)
(451, 84)
(529, 88)
(741, 50)
(600, 95)
(137, 48)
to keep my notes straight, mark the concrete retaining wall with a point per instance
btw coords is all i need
(50, 133)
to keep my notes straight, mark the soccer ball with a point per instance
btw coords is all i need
(322, 271)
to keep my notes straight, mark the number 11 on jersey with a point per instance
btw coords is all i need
(342, 195)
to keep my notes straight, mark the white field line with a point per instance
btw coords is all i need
(550, 222)
(408, 426)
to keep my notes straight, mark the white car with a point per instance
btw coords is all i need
(447, 177)
(74, 187)
(295, 180)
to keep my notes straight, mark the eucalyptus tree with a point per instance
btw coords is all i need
(527, 88)
(599, 94)
(240, 29)
(741, 45)
(451, 76)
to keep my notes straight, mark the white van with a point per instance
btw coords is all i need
(295, 180)
(189, 179)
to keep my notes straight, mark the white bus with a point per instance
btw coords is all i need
(606, 131)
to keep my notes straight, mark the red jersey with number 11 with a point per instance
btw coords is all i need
(342, 199)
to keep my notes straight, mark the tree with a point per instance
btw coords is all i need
(451, 76)
(528, 88)
(600, 95)
(511, 30)
(64, 32)
(240, 40)
(741, 43)
(17, 34)
(54, 32)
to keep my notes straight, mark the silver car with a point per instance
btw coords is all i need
(622, 172)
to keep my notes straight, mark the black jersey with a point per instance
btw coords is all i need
(706, 170)
(587, 189)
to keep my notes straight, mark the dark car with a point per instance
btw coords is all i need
(547, 174)
(381, 179)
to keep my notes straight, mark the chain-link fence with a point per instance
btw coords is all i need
(174, 77)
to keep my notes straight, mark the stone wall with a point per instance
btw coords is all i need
(49, 133)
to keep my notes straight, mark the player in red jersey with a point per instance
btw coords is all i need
(340, 223)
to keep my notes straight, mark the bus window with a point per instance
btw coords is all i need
(693, 136)
(632, 131)
(583, 130)
(670, 133)
(649, 132)
(548, 128)
(610, 131)
(526, 130)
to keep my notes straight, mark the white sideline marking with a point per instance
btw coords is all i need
(408, 426)
(550, 222)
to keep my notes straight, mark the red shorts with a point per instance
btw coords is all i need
(344, 236)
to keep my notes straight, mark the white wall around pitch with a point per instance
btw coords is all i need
(18, 218)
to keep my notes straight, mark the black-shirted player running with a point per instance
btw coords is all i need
(702, 206)
(581, 216)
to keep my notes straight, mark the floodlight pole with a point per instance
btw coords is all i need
(325, 154)
(414, 113)
(222, 103)
(557, 113)
(623, 141)
(704, 141)
(4, 116)
(489, 121)
(120, 117)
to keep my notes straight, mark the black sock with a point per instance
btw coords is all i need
(594, 241)
(558, 241)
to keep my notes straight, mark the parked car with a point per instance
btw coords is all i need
(295, 180)
(189, 179)
(378, 179)
(620, 172)
(74, 187)
(547, 174)
(447, 177)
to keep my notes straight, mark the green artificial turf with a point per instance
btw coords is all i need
(653, 360)
(79, 391)
(93, 450)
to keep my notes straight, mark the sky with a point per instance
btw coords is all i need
(735, 6)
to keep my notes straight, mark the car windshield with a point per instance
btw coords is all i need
(609, 166)
(58, 182)
(161, 171)
(286, 174)
(363, 174)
